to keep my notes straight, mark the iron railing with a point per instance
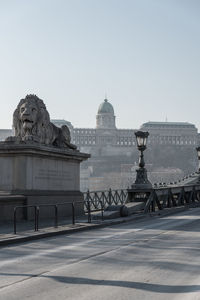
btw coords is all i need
(101, 199)
(158, 199)
(161, 198)
(37, 213)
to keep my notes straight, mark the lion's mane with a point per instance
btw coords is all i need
(42, 131)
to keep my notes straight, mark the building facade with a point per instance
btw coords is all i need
(114, 155)
(171, 133)
(4, 133)
(105, 133)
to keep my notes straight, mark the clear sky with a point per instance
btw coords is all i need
(144, 54)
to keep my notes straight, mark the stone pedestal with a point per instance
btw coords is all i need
(43, 174)
(139, 194)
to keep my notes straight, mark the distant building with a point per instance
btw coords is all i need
(171, 133)
(4, 133)
(114, 154)
(113, 149)
(61, 122)
(105, 135)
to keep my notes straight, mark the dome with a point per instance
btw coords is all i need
(105, 107)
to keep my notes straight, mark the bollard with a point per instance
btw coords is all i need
(73, 213)
(56, 216)
(37, 211)
(15, 221)
(109, 197)
(101, 210)
(89, 212)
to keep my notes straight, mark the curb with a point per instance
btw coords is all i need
(89, 226)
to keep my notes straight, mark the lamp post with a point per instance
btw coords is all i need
(198, 153)
(141, 181)
(141, 189)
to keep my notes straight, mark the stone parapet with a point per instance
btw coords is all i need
(39, 167)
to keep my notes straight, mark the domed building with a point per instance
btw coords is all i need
(105, 139)
(114, 154)
(111, 150)
(105, 116)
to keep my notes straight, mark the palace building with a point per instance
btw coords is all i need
(114, 154)
(107, 134)
(171, 133)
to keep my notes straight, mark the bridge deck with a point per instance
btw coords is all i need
(155, 258)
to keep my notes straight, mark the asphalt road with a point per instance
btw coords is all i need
(156, 258)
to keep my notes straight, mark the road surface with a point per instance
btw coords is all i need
(154, 258)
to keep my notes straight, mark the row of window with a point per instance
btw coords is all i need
(172, 139)
(173, 142)
(85, 131)
(131, 143)
(178, 126)
(126, 143)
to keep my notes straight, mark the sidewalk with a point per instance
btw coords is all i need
(25, 229)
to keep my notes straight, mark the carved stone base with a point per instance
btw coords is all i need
(42, 174)
(142, 187)
(141, 181)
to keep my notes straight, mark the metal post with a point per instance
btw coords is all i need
(37, 217)
(110, 196)
(141, 181)
(153, 206)
(73, 213)
(88, 195)
(141, 159)
(15, 221)
(56, 216)
(101, 210)
(89, 212)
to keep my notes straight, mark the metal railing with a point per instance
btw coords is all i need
(37, 213)
(22, 207)
(159, 198)
(89, 209)
(165, 197)
(102, 199)
(95, 201)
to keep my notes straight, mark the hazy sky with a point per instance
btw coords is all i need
(144, 54)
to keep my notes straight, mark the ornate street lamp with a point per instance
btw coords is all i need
(198, 153)
(141, 181)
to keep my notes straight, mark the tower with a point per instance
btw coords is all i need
(105, 118)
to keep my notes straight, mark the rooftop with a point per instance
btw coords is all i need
(105, 107)
(168, 124)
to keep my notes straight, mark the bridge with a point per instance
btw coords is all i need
(150, 253)
(151, 258)
(114, 203)
(184, 192)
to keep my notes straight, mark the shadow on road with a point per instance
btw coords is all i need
(152, 287)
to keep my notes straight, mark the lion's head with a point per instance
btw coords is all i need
(31, 122)
(31, 119)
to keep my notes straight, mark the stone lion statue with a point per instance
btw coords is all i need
(31, 122)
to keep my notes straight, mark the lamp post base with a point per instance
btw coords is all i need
(141, 181)
(141, 189)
